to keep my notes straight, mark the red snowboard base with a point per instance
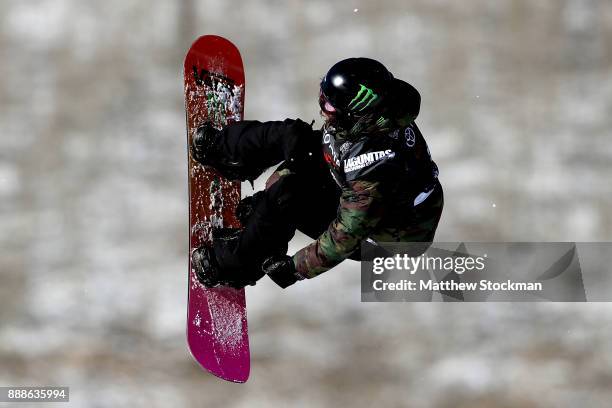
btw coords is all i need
(216, 318)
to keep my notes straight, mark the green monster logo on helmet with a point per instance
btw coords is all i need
(364, 98)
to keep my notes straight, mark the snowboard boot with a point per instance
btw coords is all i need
(206, 150)
(205, 266)
(207, 269)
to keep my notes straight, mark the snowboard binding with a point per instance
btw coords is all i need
(206, 268)
(206, 151)
(203, 263)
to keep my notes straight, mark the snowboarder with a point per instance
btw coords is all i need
(367, 173)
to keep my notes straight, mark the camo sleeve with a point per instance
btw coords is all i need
(359, 212)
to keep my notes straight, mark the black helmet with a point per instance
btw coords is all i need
(354, 87)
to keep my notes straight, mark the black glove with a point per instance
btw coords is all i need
(203, 143)
(206, 149)
(281, 270)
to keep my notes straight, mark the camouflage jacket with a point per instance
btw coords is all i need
(382, 178)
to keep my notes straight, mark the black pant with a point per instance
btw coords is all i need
(300, 194)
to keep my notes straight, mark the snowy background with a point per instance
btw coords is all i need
(517, 102)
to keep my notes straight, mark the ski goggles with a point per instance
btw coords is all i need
(326, 107)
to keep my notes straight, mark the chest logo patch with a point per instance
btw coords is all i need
(366, 159)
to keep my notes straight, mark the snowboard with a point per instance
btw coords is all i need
(216, 317)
